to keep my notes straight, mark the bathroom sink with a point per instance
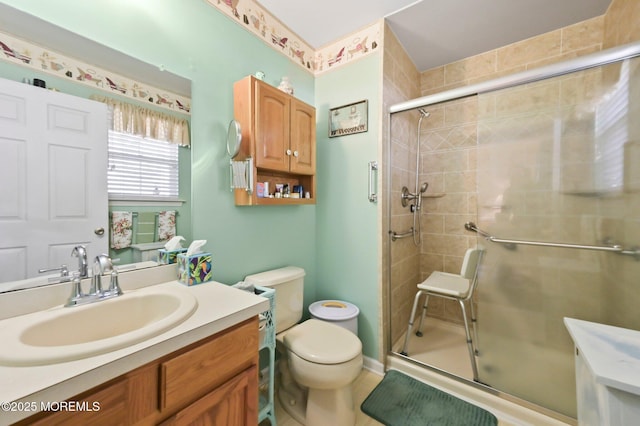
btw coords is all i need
(65, 334)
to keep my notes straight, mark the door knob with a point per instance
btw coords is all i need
(295, 153)
(288, 152)
(98, 231)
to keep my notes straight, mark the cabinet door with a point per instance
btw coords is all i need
(231, 404)
(272, 127)
(303, 138)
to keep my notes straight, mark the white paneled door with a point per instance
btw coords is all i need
(53, 179)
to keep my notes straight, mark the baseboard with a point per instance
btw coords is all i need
(373, 365)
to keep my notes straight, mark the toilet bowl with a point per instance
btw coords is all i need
(318, 360)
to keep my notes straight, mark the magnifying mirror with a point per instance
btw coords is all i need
(234, 137)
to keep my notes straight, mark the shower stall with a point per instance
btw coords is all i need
(543, 167)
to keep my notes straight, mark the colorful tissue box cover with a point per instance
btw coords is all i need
(169, 256)
(194, 269)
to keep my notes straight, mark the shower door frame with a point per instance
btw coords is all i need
(627, 51)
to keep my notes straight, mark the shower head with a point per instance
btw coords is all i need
(424, 187)
(424, 112)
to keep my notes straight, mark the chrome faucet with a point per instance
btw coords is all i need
(81, 253)
(83, 271)
(102, 264)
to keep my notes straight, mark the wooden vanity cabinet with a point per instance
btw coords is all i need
(279, 133)
(226, 405)
(211, 382)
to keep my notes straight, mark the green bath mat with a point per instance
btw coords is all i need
(399, 400)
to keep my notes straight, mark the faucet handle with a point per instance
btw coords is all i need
(101, 265)
(104, 263)
(64, 274)
(114, 285)
(64, 271)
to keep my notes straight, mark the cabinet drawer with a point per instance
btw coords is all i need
(190, 375)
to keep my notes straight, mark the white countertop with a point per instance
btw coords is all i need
(611, 353)
(219, 307)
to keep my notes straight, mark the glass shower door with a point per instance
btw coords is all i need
(558, 161)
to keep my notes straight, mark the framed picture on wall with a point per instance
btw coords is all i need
(349, 119)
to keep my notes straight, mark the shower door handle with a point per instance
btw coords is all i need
(373, 172)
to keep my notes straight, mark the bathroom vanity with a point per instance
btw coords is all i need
(607, 362)
(204, 367)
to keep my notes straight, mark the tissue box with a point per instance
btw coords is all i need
(169, 256)
(194, 269)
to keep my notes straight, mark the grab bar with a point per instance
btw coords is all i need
(396, 236)
(616, 248)
(373, 167)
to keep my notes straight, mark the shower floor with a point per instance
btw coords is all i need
(442, 345)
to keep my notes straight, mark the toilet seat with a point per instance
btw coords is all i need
(322, 342)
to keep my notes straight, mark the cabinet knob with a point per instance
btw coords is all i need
(295, 153)
(288, 152)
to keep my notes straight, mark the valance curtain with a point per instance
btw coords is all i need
(147, 123)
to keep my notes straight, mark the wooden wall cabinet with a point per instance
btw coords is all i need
(279, 133)
(211, 382)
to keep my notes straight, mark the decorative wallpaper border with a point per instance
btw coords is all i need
(246, 13)
(354, 46)
(252, 16)
(17, 51)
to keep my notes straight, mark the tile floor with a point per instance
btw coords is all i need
(442, 345)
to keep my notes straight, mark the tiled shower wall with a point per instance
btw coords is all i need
(449, 159)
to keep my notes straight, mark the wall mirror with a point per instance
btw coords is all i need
(234, 138)
(24, 26)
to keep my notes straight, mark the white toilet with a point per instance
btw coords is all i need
(321, 360)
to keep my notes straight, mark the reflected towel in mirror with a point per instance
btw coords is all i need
(166, 225)
(121, 229)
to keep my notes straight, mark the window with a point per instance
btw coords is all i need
(143, 152)
(142, 168)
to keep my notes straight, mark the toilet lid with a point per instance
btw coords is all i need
(322, 342)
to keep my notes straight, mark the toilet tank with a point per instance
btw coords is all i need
(288, 284)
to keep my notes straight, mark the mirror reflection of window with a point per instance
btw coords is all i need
(141, 168)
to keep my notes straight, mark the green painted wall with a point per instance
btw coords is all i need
(347, 240)
(334, 241)
(194, 40)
